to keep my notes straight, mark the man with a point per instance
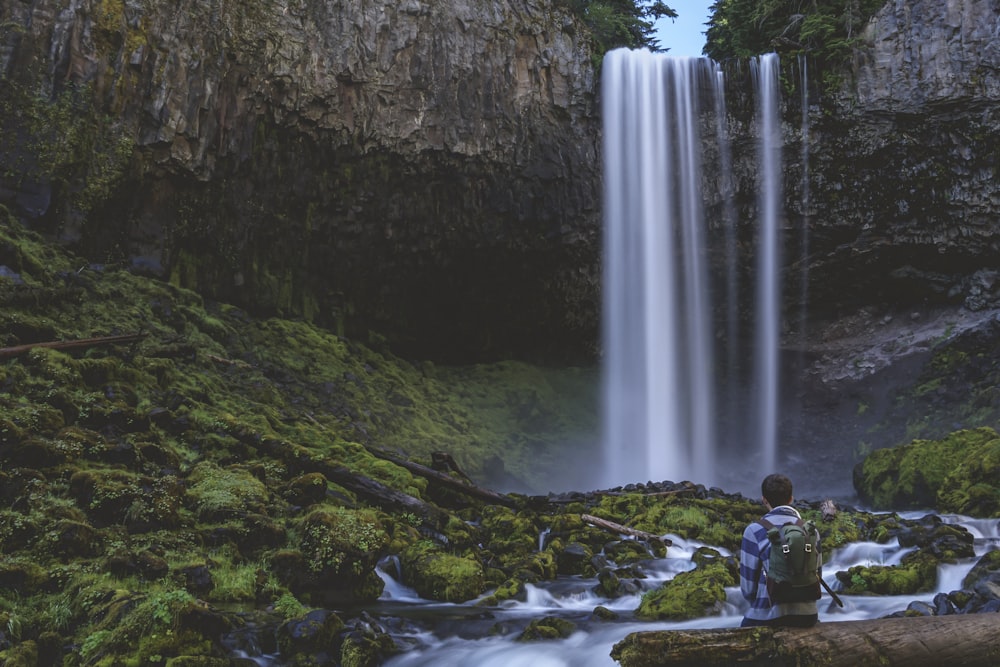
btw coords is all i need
(755, 552)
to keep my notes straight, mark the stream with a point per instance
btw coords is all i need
(453, 635)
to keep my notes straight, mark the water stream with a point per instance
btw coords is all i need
(458, 635)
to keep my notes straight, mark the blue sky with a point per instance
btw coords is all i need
(684, 35)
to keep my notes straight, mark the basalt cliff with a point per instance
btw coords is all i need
(431, 172)
(426, 171)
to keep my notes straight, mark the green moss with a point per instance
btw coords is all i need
(219, 493)
(917, 573)
(692, 594)
(438, 575)
(550, 627)
(958, 471)
(340, 541)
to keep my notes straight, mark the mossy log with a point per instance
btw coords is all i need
(379, 494)
(81, 344)
(971, 640)
(447, 480)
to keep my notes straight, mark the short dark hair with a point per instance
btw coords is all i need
(776, 489)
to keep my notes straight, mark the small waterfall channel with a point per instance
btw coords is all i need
(672, 401)
(458, 635)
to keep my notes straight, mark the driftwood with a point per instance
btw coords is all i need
(624, 530)
(83, 343)
(446, 480)
(972, 640)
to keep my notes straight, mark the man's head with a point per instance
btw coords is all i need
(777, 490)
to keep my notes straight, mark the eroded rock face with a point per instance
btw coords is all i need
(904, 189)
(431, 171)
(427, 170)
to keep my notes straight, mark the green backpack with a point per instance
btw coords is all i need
(794, 564)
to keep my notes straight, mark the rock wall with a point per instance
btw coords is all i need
(425, 170)
(431, 171)
(904, 199)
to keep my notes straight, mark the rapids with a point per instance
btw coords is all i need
(458, 635)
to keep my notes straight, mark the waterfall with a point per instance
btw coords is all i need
(768, 292)
(806, 203)
(670, 355)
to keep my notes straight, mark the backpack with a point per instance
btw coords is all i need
(793, 568)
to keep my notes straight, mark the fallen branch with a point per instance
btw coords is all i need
(922, 641)
(624, 530)
(83, 343)
(446, 480)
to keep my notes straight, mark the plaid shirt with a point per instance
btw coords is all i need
(755, 551)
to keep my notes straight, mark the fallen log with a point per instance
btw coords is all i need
(446, 480)
(972, 640)
(386, 497)
(624, 530)
(82, 343)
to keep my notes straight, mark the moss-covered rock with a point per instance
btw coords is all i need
(916, 573)
(692, 594)
(438, 575)
(956, 474)
(550, 627)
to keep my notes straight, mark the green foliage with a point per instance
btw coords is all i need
(620, 23)
(824, 29)
(64, 138)
(288, 606)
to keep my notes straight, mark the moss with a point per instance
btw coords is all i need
(692, 594)
(438, 575)
(550, 627)
(956, 471)
(917, 573)
(341, 542)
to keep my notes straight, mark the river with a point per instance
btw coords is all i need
(454, 635)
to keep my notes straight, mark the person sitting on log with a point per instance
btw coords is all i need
(780, 562)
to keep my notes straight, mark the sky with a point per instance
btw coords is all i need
(684, 35)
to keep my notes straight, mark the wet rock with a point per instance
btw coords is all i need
(306, 489)
(550, 627)
(313, 636)
(984, 577)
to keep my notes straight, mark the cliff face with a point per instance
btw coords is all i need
(431, 171)
(426, 170)
(904, 191)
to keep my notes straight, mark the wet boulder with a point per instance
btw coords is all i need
(955, 474)
(312, 638)
(438, 575)
(550, 627)
(692, 594)
(984, 577)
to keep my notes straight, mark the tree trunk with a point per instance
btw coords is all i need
(446, 480)
(386, 497)
(81, 344)
(971, 640)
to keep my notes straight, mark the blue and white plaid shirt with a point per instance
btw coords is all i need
(755, 551)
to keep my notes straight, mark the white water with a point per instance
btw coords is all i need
(662, 396)
(769, 293)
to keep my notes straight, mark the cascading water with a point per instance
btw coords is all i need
(768, 292)
(665, 394)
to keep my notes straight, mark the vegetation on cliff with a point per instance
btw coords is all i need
(620, 23)
(823, 29)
